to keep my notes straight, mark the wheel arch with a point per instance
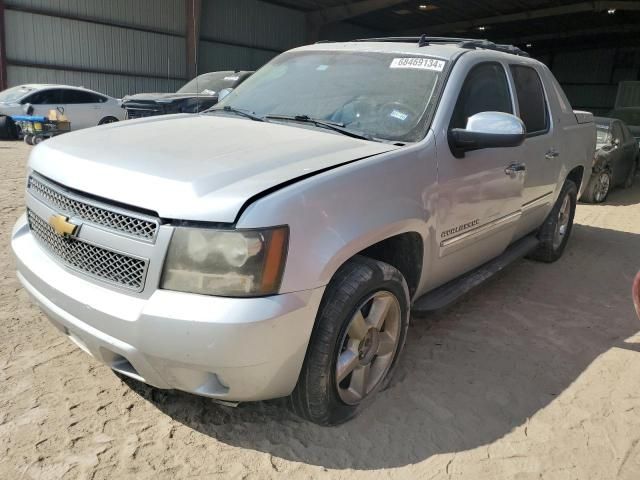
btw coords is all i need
(108, 119)
(576, 176)
(404, 252)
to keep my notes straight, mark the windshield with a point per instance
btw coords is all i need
(602, 135)
(14, 94)
(381, 95)
(211, 83)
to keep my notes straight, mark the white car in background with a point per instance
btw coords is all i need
(83, 107)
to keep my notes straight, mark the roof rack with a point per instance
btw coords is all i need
(470, 43)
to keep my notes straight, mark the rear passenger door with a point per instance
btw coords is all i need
(542, 148)
(81, 108)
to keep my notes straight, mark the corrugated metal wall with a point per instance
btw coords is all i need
(245, 34)
(347, 31)
(590, 78)
(90, 50)
(166, 15)
(121, 47)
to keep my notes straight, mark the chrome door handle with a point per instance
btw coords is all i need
(551, 154)
(514, 168)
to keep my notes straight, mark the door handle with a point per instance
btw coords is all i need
(551, 154)
(514, 168)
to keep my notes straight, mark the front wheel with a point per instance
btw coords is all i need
(556, 229)
(598, 188)
(358, 336)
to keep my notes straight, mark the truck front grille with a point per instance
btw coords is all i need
(104, 215)
(133, 113)
(98, 262)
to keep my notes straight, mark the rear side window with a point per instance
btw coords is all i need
(531, 100)
(79, 96)
(485, 90)
(44, 97)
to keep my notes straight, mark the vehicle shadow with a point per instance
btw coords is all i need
(468, 375)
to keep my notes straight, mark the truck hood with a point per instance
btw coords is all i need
(192, 167)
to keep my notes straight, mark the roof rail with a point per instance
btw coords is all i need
(471, 43)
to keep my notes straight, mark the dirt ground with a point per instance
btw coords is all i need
(534, 375)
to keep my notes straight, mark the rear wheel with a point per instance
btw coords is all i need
(556, 229)
(598, 187)
(359, 333)
(107, 120)
(28, 139)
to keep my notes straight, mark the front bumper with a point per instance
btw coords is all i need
(226, 348)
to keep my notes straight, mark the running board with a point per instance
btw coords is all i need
(450, 292)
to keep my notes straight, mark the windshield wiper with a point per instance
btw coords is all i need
(238, 111)
(335, 126)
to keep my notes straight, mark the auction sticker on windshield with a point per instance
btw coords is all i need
(420, 63)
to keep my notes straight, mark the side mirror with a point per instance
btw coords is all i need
(223, 93)
(487, 130)
(27, 108)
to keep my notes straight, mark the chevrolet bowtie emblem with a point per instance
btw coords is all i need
(62, 226)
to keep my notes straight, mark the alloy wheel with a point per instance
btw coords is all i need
(368, 347)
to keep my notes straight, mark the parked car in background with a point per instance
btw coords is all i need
(615, 162)
(83, 107)
(350, 184)
(631, 117)
(197, 95)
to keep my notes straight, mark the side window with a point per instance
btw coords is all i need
(44, 97)
(485, 89)
(616, 132)
(79, 96)
(531, 99)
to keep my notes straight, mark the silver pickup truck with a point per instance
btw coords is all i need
(276, 245)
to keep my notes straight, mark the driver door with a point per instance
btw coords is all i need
(480, 195)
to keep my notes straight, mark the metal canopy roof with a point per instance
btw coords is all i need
(542, 22)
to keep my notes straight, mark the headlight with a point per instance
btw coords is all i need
(231, 263)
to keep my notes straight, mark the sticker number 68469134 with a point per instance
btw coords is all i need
(420, 63)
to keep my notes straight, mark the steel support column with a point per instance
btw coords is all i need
(3, 50)
(192, 35)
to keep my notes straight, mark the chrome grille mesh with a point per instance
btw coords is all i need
(60, 200)
(104, 264)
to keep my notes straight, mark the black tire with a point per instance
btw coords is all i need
(628, 183)
(107, 120)
(28, 139)
(8, 129)
(316, 397)
(594, 191)
(550, 249)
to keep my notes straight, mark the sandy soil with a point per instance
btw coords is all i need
(534, 375)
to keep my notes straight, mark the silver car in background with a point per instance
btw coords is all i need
(276, 245)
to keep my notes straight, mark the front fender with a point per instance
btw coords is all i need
(601, 160)
(334, 215)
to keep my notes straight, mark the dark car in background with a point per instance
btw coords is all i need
(615, 162)
(197, 95)
(631, 117)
